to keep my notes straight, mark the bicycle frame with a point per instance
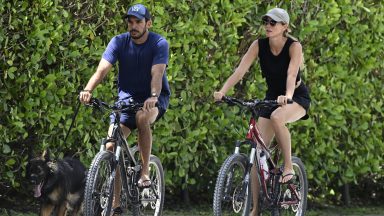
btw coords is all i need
(120, 142)
(270, 189)
(253, 137)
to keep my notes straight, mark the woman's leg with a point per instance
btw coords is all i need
(282, 115)
(267, 133)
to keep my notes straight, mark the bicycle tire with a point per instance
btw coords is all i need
(98, 194)
(152, 199)
(301, 182)
(226, 200)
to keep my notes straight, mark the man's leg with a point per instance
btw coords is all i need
(144, 119)
(267, 133)
(110, 146)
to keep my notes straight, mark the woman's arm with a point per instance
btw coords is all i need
(243, 67)
(296, 53)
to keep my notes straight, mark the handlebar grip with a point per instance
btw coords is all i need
(289, 101)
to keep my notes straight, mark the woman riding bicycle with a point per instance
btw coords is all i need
(280, 57)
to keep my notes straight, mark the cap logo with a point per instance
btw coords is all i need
(135, 8)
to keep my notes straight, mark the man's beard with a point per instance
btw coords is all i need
(139, 36)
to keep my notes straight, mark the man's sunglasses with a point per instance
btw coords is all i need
(267, 21)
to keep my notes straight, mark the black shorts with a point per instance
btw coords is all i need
(128, 119)
(301, 96)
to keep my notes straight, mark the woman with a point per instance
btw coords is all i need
(280, 57)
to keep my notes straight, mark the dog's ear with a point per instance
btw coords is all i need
(45, 155)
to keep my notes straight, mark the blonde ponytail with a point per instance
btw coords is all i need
(286, 34)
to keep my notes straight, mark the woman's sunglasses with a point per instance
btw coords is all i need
(267, 21)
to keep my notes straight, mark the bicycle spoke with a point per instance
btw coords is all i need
(294, 195)
(230, 195)
(151, 200)
(99, 186)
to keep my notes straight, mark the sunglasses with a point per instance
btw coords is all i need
(267, 21)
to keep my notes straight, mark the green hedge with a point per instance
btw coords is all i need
(49, 50)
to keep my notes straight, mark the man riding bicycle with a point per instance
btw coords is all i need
(143, 58)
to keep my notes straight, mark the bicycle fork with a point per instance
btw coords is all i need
(246, 181)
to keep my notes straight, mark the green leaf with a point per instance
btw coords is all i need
(6, 149)
(10, 162)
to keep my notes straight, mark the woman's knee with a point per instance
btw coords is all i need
(277, 119)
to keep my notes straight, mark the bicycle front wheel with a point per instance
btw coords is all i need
(98, 194)
(231, 194)
(151, 199)
(294, 195)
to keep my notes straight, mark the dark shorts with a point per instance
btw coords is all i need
(301, 96)
(129, 119)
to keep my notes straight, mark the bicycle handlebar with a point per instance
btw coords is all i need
(252, 104)
(118, 106)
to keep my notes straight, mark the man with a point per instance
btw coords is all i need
(143, 58)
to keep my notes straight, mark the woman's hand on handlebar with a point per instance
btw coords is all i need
(283, 100)
(218, 95)
(85, 96)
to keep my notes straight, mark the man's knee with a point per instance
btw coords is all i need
(142, 120)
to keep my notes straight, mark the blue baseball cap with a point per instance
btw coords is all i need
(139, 11)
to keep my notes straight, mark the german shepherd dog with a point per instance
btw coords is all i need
(59, 184)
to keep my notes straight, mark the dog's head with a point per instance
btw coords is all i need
(37, 171)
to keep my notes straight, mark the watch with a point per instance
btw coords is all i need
(154, 94)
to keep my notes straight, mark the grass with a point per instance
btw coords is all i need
(205, 211)
(329, 211)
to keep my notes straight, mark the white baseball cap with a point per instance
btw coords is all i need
(278, 14)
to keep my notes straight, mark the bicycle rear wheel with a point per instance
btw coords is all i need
(231, 194)
(295, 192)
(151, 199)
(98, 194)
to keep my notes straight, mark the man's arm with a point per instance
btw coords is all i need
(157, 73)
(102, 70)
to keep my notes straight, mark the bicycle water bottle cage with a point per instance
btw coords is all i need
(105, 141)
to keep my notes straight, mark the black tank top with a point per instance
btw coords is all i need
(275, 68)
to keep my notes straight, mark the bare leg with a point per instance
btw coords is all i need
(117, 186)
(144, 119)
(267, 133)
(281, 116)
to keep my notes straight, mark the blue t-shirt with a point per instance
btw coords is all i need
(135, 64)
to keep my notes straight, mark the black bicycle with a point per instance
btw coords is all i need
(233, 193)
(100, 183)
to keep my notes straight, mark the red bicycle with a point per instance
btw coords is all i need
(233, 194)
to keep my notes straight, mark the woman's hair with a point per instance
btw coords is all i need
(288, 35)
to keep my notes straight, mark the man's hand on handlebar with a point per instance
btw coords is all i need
(150, 103)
